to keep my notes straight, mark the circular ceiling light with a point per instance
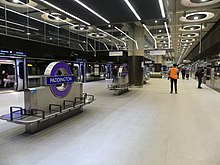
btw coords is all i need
(55, 17)
(198, 3)
(188, 40)
(197, 17)
(162, 41)
(97, 35)
(190, 35)
(125, 39)
(160, 37)
(191, 28)
(186, 44)
(18, 3)
(81, 28)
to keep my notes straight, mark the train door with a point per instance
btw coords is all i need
(82, 72)
(79, 71)
(12, 74)
(21, 74)
(108, 71)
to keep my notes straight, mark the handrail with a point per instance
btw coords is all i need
(20, 109)
(66, 101)
(55, 105)
(42, 111)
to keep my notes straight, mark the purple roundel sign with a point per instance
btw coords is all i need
(60, 78)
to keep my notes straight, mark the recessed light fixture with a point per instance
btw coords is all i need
(15, 1)
(160, 31)
(197, 16)
(18, 3)
(155, 21)
(28, 33)
(198, 3)
(191, 28)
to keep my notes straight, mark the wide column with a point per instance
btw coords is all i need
(135, 55)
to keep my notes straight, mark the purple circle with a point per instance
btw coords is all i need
(53, 88)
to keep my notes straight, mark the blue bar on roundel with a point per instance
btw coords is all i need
(59, 80)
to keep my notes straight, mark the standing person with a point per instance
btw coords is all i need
(183, 71)
(173, 76)
(199, 75)
(3, 76)
(187, 73)
(115, 73)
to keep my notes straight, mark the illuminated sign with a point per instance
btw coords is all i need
(157, 52)
(116, 53)
(60, 80)
(53, 79)
(11, 53)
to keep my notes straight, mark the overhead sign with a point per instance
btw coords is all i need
(157, 52)
(11, 53)
(116, 53)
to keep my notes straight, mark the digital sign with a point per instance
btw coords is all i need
(12, 53)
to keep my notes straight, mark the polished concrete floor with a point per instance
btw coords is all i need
(145, 126)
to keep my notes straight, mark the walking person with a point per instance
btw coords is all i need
(173, 76)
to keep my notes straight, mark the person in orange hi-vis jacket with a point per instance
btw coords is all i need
(173, 76)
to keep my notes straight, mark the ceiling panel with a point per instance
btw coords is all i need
(115, 11)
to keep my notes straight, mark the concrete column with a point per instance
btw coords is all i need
(135, 55)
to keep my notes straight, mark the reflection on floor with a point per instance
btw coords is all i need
(6, 90)
(145, 126)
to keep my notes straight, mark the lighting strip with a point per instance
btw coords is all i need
(162, 8)
(12, 28)
(168, 35)
(117, 46)
(81, 47)
(132, 9)
(92, 11)
(57, 8)
(155, 42)
(106, 46)
(91, 47)
(111, 36)
(128, 36)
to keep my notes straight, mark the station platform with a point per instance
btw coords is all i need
(145, 126)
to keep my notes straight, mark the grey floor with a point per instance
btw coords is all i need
(146, 126)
